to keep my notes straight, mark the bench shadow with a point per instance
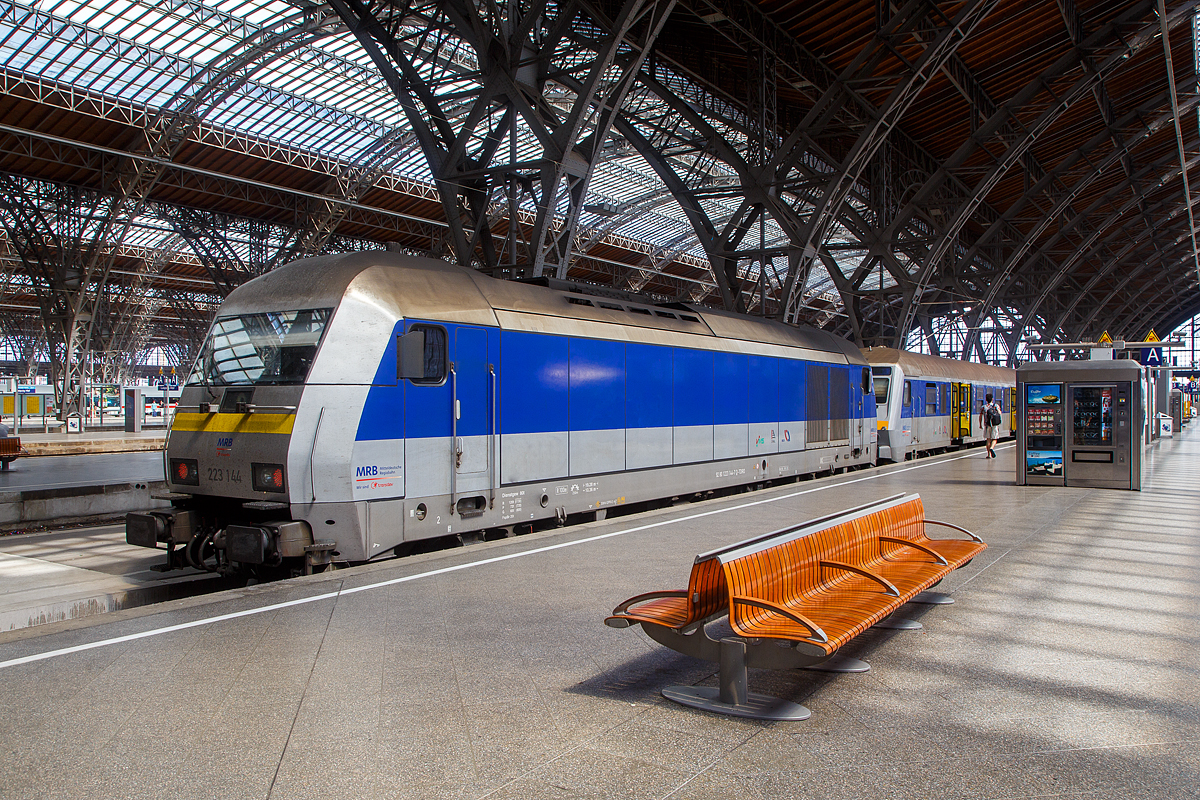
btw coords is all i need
(643, 678)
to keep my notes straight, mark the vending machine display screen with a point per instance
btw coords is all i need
(1043, 394)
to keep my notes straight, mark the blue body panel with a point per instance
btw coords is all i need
(791, 390)
(764, 395)
(649, 378)
(550, 383)
(596, 381)
(732, 388)
(533, 383)
(383, 412)
(693, 387)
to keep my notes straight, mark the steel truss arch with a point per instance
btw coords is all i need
(1053, 105)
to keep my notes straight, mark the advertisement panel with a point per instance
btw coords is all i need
(1043, 462)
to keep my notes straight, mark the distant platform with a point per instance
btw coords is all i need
(90, 441)
(39, 491)
(1064, 668)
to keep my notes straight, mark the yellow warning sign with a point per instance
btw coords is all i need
(1152, 336)
(1105, 338)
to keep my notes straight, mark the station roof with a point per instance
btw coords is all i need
(1023, 173)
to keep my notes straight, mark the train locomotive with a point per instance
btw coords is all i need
(929, 405)
(344, 407)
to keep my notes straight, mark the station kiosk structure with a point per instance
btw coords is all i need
(1080, 423)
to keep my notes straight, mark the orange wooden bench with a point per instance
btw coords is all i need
(10, 450)
(670, 617)
(813, 588)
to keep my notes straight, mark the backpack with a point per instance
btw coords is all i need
(992, 417)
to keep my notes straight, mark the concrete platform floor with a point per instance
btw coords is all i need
(1066, 668)
(75, 573)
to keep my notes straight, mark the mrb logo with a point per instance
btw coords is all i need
(224, 445)
(366, 472)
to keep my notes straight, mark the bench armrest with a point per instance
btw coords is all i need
(641, 598)
(974, 538)
(940, 559)
(815, 632)
(888, 588)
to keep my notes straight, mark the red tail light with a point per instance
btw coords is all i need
(267, 477)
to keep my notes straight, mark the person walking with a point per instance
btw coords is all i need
(989, 420)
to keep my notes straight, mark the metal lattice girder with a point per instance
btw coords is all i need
(1107, 49)
(935, 54)
(561, 72)
(1127, 237)
(791, 168)
(1028, 251)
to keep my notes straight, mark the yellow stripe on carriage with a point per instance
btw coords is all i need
(234, 423)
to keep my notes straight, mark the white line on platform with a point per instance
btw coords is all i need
(470, 565)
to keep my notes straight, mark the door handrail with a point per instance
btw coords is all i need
(312, 451)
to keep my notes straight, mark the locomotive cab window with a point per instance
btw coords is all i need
(421, 355)
(269, 348)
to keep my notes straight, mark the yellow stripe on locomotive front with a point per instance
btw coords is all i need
(233, 423)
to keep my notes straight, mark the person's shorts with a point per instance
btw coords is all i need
(991, 432)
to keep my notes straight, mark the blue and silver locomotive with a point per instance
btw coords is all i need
(346, 406)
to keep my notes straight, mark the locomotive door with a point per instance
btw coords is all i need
(955, 404)
(963, 406)
(857, 409)
(473, 423)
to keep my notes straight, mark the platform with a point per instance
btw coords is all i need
(65, 575)
(1066, 667)
(90, 441)
(36, 491)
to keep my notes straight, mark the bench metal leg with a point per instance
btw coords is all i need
(732, 696)
(933, 599)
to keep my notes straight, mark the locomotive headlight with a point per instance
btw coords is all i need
(185, 471)
(267, 477)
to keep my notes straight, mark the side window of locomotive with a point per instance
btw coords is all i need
(907, 394)
(422, 357)
(931, 396)
(866, 380)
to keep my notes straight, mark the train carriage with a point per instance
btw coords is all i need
(356, 403)
(929, 404)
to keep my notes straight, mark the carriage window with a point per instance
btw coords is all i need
(931, 394)
(907, 393)
(881, 390)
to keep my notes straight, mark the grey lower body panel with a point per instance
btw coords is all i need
(530, 501)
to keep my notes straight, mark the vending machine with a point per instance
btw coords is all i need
(1080, 424)
(1043, 427)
